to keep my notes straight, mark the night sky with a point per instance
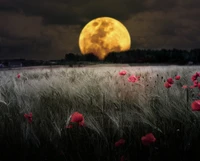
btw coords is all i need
(48, 29)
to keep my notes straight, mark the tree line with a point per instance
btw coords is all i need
(166, 56)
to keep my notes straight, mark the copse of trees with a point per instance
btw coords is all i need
(78, 57)
(167, 56)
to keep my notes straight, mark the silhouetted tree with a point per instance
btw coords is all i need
(195, 55)
(169, 56)
(91, 57)
(70, 57)
(111, 57)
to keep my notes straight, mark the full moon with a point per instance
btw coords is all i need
(102, 36)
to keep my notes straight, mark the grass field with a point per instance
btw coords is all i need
(113, 108)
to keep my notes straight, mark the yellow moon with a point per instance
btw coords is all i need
(102, 36)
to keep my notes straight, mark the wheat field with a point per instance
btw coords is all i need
(112, 107)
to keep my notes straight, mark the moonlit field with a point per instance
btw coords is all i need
(100, 114)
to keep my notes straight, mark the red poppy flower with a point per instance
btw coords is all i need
(194, 77)
(191, 87)
(197, 74)
(198, 85)
(195, 105)
(77, 118)
(122, 158)
(170, 81)
(177, 77)
(167, 85)
(18, 75)
(148, 139)
(119, 143)
(133, 78)
(29, 117)
(195, 83)
(184, 86)
(69, 126)
(123, 72)
(81, 123)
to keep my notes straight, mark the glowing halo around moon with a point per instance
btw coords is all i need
(104, 35)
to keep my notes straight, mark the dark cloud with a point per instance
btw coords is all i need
(74, 12)
(19, 25)
(158, 29)
(15, 47)
(161, 5)
(47, 29)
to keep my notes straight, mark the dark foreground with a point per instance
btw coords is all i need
(80, 147)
